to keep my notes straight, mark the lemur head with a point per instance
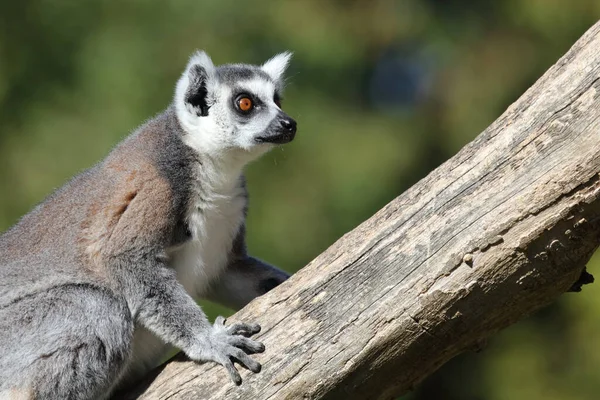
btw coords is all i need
(233, 108)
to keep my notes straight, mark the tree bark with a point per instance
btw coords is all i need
(495, 233)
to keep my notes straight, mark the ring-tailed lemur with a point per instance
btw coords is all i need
(98, 280)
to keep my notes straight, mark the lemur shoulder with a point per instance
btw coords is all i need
(100, 279)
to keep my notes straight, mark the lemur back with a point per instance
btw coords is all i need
(98, 281)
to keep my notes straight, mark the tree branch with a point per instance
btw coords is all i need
(496, 232)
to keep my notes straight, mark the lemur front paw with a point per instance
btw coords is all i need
(226, 344)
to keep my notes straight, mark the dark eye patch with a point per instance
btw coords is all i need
(257, 103)
(244, 104)
(277, 99)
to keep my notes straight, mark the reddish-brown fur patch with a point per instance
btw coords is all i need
(130, 196)
(109, 225)
(123, 207)
(131, 176)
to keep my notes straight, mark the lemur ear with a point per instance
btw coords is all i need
(196, 83)
(277, 65)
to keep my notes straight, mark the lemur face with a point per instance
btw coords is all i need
(234, 106)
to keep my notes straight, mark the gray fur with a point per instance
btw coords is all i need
(232, 73)
(101, 261)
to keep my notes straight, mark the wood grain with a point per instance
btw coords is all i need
(498, 231)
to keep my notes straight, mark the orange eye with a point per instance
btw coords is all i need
(244, 103)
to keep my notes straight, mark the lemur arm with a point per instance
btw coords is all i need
(163, 306)
(245, 277)
(157, 300)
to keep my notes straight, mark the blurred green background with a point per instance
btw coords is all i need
(384, 91)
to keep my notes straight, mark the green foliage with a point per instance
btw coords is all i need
(76, 77)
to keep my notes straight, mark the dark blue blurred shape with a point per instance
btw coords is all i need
(400, 79)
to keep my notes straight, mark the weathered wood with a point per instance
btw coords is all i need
(498, 231)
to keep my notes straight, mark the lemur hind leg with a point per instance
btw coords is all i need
(73, 343)
(244, 280)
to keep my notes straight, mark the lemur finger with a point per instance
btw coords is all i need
(248, 345)
(233, 373)
(245, 360)
(220, 321)
(242, 328)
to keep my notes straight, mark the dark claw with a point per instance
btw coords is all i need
(245, 361)
(233, 373)
(248, 345)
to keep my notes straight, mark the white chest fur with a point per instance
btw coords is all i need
(214, 221)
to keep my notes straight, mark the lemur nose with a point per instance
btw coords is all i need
(289, 125)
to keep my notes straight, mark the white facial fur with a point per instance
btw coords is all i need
(277, 65)
(225, 133)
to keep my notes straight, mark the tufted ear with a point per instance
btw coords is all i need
(195, 85)
(275, 67)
